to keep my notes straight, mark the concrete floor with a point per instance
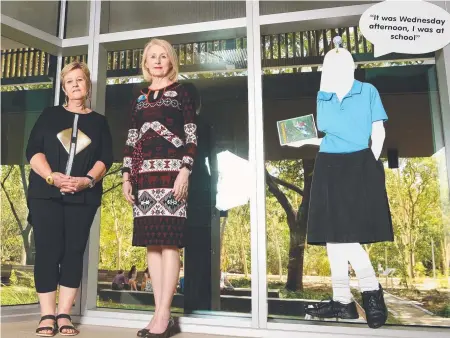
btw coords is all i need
(27, 329)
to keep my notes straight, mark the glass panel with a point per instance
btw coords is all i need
(77, 23)
(120, 16)
(33, 12)
(26, 89)
(275, 7)
(414, 268)
(218, 220)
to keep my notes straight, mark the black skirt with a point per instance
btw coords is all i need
(349, 202)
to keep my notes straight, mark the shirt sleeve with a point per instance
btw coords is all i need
(106, 151)
(132, 138)
(376, 106)
(36, 140)
(190, 130)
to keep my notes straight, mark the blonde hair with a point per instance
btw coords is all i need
(173, 58)
(86, 74)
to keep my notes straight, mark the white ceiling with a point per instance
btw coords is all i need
(10, 44)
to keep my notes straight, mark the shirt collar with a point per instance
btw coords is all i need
(326, 96)
(145, 90)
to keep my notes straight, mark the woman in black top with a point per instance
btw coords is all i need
(69, 150)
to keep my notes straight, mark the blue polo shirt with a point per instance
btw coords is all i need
(348, 124)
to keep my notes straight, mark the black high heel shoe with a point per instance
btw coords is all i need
(166, 334)
(142, 333)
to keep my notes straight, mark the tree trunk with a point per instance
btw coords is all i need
(277, 249)
(27, 234)
(243, 254)
(408, 267)
(119, 243)
(445, 258)
(222, 232)
(119, 253)
(27, 256)
(411, 263)
(27, 238)
(298, 234)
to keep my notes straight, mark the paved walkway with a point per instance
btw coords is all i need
(26, 330)
(408, 313)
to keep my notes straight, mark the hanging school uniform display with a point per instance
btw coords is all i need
(348, 203)
(348, 196)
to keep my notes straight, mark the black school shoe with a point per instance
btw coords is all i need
(376, 310)
(333, 309)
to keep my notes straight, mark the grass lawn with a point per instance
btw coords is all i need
(437, 302)
(112, 305)
(310, 291)
(315, 291)
(17, 295)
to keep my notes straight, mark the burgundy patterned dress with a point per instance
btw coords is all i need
(162, 139)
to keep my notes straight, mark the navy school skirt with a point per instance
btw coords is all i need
(349, 203)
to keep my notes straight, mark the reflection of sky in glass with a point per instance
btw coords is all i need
(233, 186)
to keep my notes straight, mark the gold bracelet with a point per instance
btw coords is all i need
(49, 179)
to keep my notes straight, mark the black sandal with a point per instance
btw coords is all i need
(47, 328)
(66, 327)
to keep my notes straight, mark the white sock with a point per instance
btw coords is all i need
(367, 279)
(360, 261)
(337, 256)
(341, 290)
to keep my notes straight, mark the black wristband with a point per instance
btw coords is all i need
(92, 183)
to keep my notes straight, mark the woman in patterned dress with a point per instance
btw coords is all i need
(158, 159)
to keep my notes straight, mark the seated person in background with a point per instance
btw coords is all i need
(181, 285)
(224, 282)
(146, 282)
(380, 269)
(132, 274)
(119, 281)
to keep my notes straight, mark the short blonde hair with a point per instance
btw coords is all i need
(173, 58)
(77, 65)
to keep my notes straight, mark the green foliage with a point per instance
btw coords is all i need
(236, 241)
(25, 278)
(416, 209)
(13, 278)
(241, 282)
(316, 261)
(316, 292)
(17, 295)
(116, 251)
(12, 243)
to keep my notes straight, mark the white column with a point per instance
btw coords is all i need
(443, 76)
(256, 157)
(97, 63)
(57, 82)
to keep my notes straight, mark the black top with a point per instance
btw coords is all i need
(94, 143)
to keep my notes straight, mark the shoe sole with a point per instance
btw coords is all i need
(69, 334)
(328, 317)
